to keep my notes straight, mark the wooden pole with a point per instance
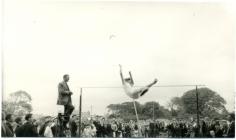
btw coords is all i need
(80, 112)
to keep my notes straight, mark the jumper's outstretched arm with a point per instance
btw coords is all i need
(121, 74)
(130, 75)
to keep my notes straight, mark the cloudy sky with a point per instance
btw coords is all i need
(178, 43)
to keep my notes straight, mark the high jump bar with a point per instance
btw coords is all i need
(200, 85)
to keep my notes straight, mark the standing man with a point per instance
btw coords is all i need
(64, 97)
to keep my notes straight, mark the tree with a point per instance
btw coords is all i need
(126, 110)
(154, 109)
(177, 107)
(211, 104)
(149, 107)
(18, 104)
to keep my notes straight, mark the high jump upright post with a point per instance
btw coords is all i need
(136, 113)
(80, 112)
(198, 124)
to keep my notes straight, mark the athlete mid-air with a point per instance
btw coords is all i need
(129, 88)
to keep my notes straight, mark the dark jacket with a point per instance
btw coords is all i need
(127, 131)
(99, 129)
(63, 97)
(29, 130)
(73, 128)
(204, 130)
(19, 131)
(42, 130)
(231, 131)
(109, 130)
(219, 133)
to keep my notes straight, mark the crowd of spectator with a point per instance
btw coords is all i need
(27, 126)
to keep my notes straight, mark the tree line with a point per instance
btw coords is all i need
(211, 105)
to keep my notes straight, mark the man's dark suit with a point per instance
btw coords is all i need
(64, 98)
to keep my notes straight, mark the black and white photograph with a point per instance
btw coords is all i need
(118, 69)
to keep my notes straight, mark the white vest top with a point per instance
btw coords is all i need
(131, 91)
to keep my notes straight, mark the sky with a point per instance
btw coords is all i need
(177, 43)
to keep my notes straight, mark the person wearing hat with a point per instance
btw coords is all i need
(129, 88)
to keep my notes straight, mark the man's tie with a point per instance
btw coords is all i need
(67, 87)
